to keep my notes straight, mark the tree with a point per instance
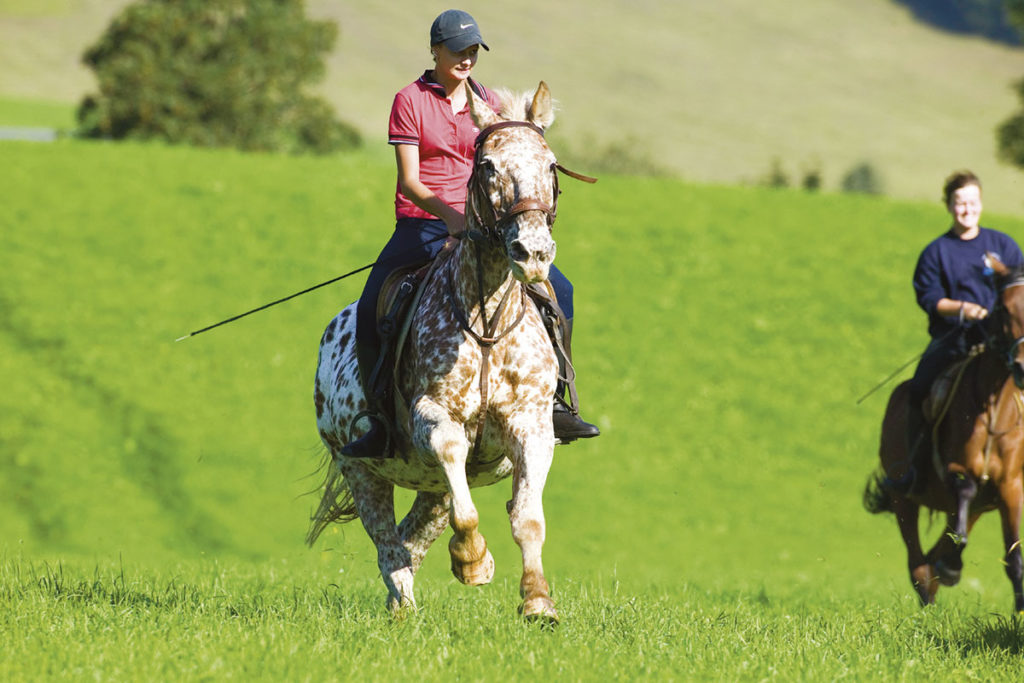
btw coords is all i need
(1010, 133)
(990, 18)
(214, 73)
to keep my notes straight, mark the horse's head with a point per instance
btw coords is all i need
(513, 190)
(1011, 309)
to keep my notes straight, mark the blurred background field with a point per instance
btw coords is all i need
(710, 91)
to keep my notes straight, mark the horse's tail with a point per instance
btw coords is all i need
(876, 498)
(336, 505)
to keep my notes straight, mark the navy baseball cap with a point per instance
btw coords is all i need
(457, 30)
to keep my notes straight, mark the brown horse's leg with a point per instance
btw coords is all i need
(946, 556)
(1012, 494)
(921, 575)
(375, 504)
(427, 519)
(526, 514)
(964, 490)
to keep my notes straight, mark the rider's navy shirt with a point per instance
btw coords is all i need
(957, 269)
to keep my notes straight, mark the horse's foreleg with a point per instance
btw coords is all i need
(526, 514)
(434, 429)
(1012, 494)
(964, 490)
(375, 504)
(427, 519)
(922, 576)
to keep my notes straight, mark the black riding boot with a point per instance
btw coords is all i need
(372, 444)
(568, 425)
(918, 446)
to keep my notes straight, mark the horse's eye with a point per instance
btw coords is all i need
(487, 166)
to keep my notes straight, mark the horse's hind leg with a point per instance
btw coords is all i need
(427, 519)
(922, 576)
(375, 504)
(1012, 494)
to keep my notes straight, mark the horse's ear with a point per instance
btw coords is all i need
(997, 266)
(480, 109)
(542, 112)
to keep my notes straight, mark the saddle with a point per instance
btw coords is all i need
(940, 396)
(396, 305)
(941, 393)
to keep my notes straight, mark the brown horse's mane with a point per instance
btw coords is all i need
(1012, 275)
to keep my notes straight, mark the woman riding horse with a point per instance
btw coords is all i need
(472, 396)
(433, 135)
(954, 284)
(978, 452)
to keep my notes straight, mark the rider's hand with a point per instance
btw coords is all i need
(972, 311)
(456, 224)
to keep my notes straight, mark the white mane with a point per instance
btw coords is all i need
(515, 106)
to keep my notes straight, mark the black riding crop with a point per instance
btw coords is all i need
(307, 290)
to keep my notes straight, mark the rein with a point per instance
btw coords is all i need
(487, 340)
(489, 229)
(995, 343)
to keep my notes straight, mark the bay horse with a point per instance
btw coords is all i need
(978, 454)
(475, 378)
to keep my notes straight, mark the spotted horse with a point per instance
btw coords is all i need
(474, 380)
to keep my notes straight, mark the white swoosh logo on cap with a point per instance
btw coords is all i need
(464, 26)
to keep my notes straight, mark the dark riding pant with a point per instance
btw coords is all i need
(941, 353)
(408, 247)
(938, 356)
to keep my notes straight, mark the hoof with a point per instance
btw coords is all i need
(475, 573)
(540, 610)
(401, 610)
(948, 576)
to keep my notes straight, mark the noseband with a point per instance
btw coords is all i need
(489, 226)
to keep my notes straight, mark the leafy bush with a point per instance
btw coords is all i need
(864, 179)
(214, 73)
(777, 176)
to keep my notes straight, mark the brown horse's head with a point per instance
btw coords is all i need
(1010, 310)
(513, 190)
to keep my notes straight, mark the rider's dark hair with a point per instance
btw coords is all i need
(957, 180)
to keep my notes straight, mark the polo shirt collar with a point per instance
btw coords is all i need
(428, 80)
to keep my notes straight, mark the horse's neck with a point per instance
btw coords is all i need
(992, 371)
(492, 270)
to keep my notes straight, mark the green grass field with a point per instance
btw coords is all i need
(151, 497)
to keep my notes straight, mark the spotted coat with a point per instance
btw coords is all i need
(439, 376)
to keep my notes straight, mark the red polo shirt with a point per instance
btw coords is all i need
(422, 115)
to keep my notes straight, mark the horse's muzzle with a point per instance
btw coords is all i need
(531, 255)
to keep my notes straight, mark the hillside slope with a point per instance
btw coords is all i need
(710, 91)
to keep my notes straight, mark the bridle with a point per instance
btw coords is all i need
(489, 228)
(1010, 353)
(489, 224)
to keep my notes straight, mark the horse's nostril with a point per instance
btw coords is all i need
(518, 252)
